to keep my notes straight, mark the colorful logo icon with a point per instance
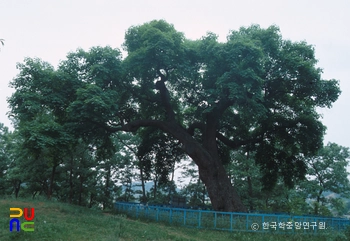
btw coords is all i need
(26, 226)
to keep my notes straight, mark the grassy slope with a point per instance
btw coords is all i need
(58, 221)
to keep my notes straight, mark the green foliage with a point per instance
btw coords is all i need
(155, 45)
(158, 153)
(195, 190)
(338, 206)
(5, 145)
(247, 177)
(322, 193)
(328, 173)
(195, 193)
(253, 93)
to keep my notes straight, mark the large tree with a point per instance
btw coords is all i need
(255, 92)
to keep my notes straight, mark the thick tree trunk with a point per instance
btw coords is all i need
(222, 194)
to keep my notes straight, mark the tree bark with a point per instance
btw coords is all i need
(222, 194)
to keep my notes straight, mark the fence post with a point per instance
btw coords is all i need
(246, 222)
(199, 218)
(215, 220)
(263, 221)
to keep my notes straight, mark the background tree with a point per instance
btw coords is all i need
(327, 173)
(194, 191)
(247, 177)
(5, 157)
(324, 191)
(49, 140)
(158, 154)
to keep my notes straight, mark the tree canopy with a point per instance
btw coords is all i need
(254, 92)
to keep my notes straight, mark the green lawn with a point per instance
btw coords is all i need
(58, 221)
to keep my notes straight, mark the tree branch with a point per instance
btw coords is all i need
(165, 96)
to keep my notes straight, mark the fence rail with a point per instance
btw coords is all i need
(231, 221)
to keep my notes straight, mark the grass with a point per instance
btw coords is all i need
(58, 221)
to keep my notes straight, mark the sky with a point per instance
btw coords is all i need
(49, 29)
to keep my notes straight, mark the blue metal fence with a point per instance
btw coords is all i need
(231, 221)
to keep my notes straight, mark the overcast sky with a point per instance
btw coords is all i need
(49, 29)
